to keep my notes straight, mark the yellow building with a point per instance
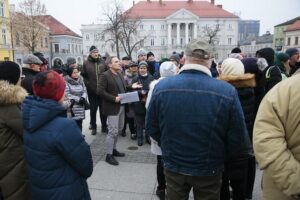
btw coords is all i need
(6, 52)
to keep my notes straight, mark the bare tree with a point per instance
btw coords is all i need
(211, 33)
(123, 29)
(25, 26)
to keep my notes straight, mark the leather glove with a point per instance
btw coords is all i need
(81, 101)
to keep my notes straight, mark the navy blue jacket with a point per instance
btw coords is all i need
(58, 159)
(199, 122)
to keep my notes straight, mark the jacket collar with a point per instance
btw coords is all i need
(197, 67)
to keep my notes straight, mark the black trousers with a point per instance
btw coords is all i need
(204, 187)
(95, 103)
(160, 174)
(235, 175)
(130, 122)
(79, 123)
(140, 125)
(250, 177)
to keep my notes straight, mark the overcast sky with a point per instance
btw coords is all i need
(74, 13)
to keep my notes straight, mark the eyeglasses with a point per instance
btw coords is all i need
(22, 77)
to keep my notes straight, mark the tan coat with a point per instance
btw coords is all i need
(276, 140)
(14, 183)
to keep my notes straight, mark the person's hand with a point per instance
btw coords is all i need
(118, 99)
(136, 86)
(81, 100)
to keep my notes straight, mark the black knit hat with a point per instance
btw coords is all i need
(10, 71)
(93, 49)
(150, 54)
(236, 50)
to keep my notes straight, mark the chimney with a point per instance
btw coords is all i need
(160, 2)
(149, 1)
(220, 6)
(190, 1)
(212, 2)
(133, 3)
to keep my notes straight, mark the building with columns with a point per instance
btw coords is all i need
(168, 26)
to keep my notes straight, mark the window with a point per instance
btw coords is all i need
(289, 41)
(80, 49)
(72, 48)
(87, 37)
(152, 42)
(173, 41)
(141, 27)
(4, 36)
(69, 48)
(181, 41)
(296, 40)
(229, 41)
(76, 49)
(162, 27)
(152, 27)
(163, 41)
(229, 27)
(88, 49)
(46, 42)
(2, 9)
(56, 48)
(142, 43)
(42, 43)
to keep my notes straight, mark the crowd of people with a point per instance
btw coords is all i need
(208, 122)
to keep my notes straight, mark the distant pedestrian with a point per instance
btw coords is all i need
(76, 93)
(14, 183)
(31, 67)
(58, 159)
(92, 69)
(276, 141)
(198, 121)
(293, 60)
(44, 65)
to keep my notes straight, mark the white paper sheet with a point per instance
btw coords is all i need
(129, 97)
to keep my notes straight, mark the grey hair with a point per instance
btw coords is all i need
(109, 59)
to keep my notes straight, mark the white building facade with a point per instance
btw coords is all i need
(171, 33)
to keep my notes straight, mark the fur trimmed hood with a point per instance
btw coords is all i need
(241, 81)
(11, 94)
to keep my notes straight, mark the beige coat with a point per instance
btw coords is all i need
(276, 140)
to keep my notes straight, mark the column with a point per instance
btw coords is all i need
(195, 30)
(178, 34)
(186, 33)
(169, 34)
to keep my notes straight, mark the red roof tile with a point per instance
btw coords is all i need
(294, 27)
(56, 27)
(157, 10)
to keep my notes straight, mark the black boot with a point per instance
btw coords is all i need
(123, 134)
(94, 132)
(111, 160)
(104, 129)
(140, 142)
(117, 153)
(148, 139)
(133, 136)
(161, 194)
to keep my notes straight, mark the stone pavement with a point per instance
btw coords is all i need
(134, 178)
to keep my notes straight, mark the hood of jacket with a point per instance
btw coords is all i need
(11, 94)
(37, 112)
(72, 81)
(240, 81)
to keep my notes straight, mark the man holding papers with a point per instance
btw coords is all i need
(111, 84)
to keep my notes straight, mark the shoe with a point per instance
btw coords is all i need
(90, 127)
(94, 132)
(111, 160)
(123, 134)
(104, 129)
(148, 139)
(161, 194)
(133, 136)
(117, 153)
(140, 142)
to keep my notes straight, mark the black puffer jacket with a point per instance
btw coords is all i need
(139, 107)
(245, 84)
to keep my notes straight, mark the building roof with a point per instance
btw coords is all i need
(163, 9)
(294, 27)
(265, 38)
(288, 22)
(56, 27)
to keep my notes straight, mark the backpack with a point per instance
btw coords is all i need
(283, 76)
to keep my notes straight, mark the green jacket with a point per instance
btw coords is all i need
(14, 183)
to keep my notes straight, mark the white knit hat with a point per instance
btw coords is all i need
(167, 69)
(232, 66)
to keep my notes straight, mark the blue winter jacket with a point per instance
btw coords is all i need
(199, 123)
(58, 159)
